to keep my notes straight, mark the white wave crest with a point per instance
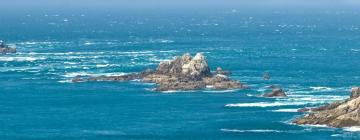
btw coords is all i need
(161, 41)
(355, 50)
(264, 104)
(74, 74)
(285, 110)
(219, 91)
(352, 129)
(254, 130)
(322, 88)
(313, 98)
(104, 132)
(21, 59)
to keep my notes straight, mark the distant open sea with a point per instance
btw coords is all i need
(313, 56)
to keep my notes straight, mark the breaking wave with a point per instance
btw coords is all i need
(74, 74)
(352, 129)
(285, 110)
(254, 130)
(21, 59)
(264, 104)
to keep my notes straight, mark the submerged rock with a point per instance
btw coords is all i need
(182, 73)
(338, 114)
(5, 48)
(266, 76)
(276, 92)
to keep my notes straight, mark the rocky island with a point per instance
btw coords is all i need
(276, 92)
(182, 73)
(338, 114)
(5, 48)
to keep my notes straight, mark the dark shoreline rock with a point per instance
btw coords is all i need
(276, 92)
(338, 114)
(5, 48)
(182, 73)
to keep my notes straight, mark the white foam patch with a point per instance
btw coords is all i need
(162, 41)
(264, 104)
(102, 65)
(253, 130)
(21, 59)
(322, 88)
(337, 135)
(177, 91)
(285, 110)
(65, 81)
(219, 91)
(352, 129)
(250, 95)
(89, 43)
(104, 132)
(315, 89)
(355, 50)
(313, 98)
(315, 125)
(74, 74)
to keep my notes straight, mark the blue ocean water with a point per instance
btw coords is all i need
(314, 56)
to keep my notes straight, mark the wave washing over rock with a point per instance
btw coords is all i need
(5, 48)
(182, 73)
(337, 114)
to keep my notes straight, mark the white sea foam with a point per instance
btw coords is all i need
(355, 50)
(89, 43)
(177, 91)
(322, 88)
(314, 89)
(161, 41)
(70, 63)
(253, 130)
(337, 135)
(20, 59)
(313, 98)
(66, 81)
(104, 132)
(74, 74)
(285, 110)
(102, 65)
(352, 129)
(264, 104)
(250, 95)
(219, 91)
(315, 125)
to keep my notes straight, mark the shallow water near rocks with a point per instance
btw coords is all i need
(313, 61)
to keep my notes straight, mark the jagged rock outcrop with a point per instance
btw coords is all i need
(355, 92)
(5, 48)
(182, 73)
(220, 71)
(338, 114)
(276, 92)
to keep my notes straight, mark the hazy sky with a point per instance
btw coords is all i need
(174, 3)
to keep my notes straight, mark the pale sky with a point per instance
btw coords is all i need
(175, 3)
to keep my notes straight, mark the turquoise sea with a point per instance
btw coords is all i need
(312, 55)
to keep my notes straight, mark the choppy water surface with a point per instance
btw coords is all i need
(313, 56)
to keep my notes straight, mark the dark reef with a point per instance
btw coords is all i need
(5, 48)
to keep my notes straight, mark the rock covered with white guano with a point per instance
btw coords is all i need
(181, 73)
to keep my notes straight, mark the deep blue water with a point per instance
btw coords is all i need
(314, 56)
